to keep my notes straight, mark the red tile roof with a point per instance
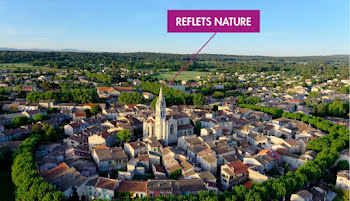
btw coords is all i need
(238, 167)
(270, 153)
(132, 186)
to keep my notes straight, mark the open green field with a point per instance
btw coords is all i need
(25, 66)
(6, 186)
(184, 75)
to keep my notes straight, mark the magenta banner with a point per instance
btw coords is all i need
(214, 21)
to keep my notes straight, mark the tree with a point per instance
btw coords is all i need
(343, 165)
(124, 135)
(95, 109)
(41, 117)
(313, 94)
(37, 128)
(20, 121)
(176, 174)
(215, 108)
(198, 99)
(50, 132)
(154, 102)
(29, 184)
(130, 98)
(218, 94)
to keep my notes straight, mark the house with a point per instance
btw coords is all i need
(108, 159)
(99, 139)
(65, 178)
(207, 176)
(293, 160)
(233, 174)
(153, 145)
(160, 187)
(111, 113)
(32, 113)
(75, 141)
(148, 96)
(105, 92)
(322, 192)
(208, 163)
(158, 171)
(74, 127)
(29, 106)
(273, 156)
(293, 145)
(261, 163)
(220, 152)
(134, 148)
(80, 114)
(135, 189)
(257, 139)
(11, 134)
(343, 179)
(46, 103)
(175, 187)
(101, 188)
(60, 117)
(191, 186)
(65, 106)
(302, 195)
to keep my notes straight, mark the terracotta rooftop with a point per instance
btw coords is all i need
(238, 167)
(106, 183)
(132, 186)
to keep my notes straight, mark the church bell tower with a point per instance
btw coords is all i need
(160, 116)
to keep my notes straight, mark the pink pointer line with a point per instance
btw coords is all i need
(194, 56)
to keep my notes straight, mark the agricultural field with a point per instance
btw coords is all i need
(24, 66)
(184, 75)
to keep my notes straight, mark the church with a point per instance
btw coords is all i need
(166, 126)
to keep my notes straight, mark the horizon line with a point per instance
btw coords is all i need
(72, 50)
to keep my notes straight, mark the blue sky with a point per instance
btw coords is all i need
(288, 28)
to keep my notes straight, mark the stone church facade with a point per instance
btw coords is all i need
(166, 126)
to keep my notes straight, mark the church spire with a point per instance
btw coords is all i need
(161, 100)
(161, 94)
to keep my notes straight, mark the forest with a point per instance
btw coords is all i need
(204, 62)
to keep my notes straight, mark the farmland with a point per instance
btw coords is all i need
(184, 75)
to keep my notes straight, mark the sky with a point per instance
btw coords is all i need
(287, 28)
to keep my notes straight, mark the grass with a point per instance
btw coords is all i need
(184, 75)
(25, 66)
(6, 185)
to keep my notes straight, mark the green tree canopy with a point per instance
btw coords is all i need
(124, 135)
(95, 109)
